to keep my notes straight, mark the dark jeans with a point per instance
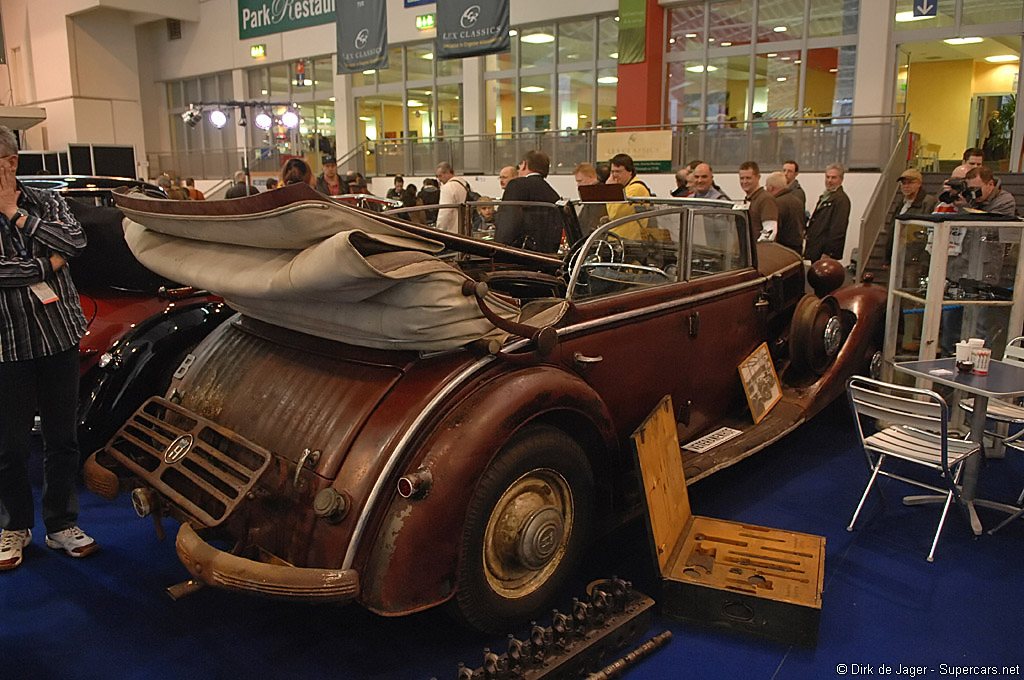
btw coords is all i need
(51, 384)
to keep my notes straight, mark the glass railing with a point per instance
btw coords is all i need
(859, 143)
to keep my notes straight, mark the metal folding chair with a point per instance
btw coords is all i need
(914, 427)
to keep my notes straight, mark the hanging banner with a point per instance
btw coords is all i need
(264, 17)
(467, 28)
(632, 31)
(362, 28)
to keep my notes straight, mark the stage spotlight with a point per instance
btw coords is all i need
(218, 118)
(290, 119)
(263, 120)
(192, 116)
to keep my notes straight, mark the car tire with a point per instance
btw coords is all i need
(527, 525)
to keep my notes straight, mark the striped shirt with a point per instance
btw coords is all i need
(28, 328)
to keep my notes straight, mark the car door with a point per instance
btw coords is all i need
(646, 323)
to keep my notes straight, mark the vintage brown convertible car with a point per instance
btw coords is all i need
(405, 418)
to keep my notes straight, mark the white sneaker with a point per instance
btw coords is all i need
(73, 541)
(11, 545)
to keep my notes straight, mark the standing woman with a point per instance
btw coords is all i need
(41, 322)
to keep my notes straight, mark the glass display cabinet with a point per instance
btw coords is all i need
(952, 277)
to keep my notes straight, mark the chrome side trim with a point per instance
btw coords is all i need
(399, 450)
(654, 309)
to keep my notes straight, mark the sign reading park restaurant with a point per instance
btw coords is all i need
(263, 17)
(651, 150)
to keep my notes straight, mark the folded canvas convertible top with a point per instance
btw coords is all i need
(295, 259)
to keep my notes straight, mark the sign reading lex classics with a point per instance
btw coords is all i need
(263, 17)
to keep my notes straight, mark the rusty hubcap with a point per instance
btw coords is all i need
(527, 532)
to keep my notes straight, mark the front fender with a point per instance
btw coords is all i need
(412, 562)
(140, 365)
(865, 303)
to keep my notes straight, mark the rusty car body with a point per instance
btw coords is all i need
(475, 475)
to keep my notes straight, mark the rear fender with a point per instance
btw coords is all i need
(412, 562)
(140, 365)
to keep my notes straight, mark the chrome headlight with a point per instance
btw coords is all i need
(105, 359)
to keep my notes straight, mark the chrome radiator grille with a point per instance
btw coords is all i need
(203, 468)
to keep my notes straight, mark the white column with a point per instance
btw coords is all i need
(346, 122)
(876, 59)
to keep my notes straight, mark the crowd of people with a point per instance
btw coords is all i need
(778, 207)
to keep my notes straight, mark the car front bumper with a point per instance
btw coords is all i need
(230, 572)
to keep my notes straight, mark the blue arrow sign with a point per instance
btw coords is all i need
(925, 8)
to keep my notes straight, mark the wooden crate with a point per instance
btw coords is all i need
(762, 581)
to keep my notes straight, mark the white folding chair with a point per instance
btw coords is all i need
(914, 427)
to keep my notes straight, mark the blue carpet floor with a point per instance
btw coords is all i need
(108, 616)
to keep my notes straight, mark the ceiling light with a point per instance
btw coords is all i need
(218, 118)
(962, 41)
(781, 79)
(290, 119)
(527, 108)
(671, 41)
(909, 16)
(1002, 58)
(772, 54)
(513, 32)
(428, 55)
(608, 80)
(538, 38)
(711, 40)
(583, 115)
(780, 29)
(796, 61)
(833, 70)
(613, 55)
(366, 118)
(726, 44)
(330, 99)
(414, 102)
(369, 72)
(691, 35)
(785, 58)
(263, 120)
(263, 91)
(700, 69)
(531, 89)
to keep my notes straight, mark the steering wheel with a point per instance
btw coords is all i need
(611, 243)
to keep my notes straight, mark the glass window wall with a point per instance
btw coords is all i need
(733, 80)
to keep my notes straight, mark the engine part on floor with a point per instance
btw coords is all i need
(616, 669)
(596, 629)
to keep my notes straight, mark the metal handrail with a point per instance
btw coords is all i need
(881, 198)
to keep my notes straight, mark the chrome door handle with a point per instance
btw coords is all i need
(584, 360)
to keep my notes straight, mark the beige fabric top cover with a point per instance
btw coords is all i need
(320, 268)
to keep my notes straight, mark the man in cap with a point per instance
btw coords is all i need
(329, 182)
(915, 199)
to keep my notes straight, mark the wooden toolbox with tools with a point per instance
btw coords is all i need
(753, 579)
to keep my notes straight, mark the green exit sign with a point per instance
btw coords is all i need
(258, 51)
(425, 21)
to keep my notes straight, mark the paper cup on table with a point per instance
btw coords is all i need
(976, 342)
(963, 351)
(981, 356)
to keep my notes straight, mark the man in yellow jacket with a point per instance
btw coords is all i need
(624, 174)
